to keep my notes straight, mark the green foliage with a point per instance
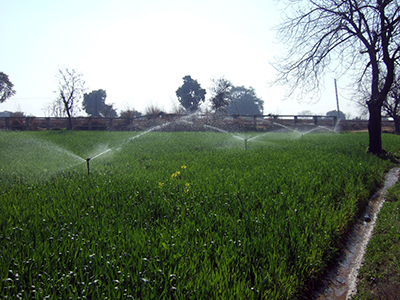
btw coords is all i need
(221, 94)
(339, 115)
(95, 105)
(176, 215)
(190, 94)
(245, 102)
(6, 87)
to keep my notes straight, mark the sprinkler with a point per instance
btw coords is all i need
(87, 161)
(245, 144)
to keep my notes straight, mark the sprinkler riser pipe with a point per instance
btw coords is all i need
(87, 162)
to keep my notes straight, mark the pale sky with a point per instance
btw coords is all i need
(139, 51)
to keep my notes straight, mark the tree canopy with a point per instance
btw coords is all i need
(95, 105)
(334, 113)
(244, 101)
(221, 94)
(190, 94)
(6, 87)
(361, 35)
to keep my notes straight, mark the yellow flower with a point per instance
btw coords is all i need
(183, 167)
(187, 184)
(176, 174)
(161, 184)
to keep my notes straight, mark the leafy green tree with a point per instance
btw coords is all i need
(6, 87)
(221, 94)
(244, 101)
(109, 111)
(95, 105)
(334, 113)
(94, 102)
(190, 94)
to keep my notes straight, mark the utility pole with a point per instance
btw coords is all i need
(337, 101)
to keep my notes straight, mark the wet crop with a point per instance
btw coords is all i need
(177, 215)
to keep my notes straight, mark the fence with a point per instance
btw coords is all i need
(180, 122)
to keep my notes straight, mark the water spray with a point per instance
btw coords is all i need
(87, 161)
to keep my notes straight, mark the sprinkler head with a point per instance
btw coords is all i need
(88, 159)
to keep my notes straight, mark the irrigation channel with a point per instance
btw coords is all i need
(341, 282)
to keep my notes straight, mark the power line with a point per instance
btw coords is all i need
(30, 99)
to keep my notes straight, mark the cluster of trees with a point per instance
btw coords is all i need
(358, 35)
(225, 97)
(71, 90)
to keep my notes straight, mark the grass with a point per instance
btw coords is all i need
(177, 215)
(379, 276)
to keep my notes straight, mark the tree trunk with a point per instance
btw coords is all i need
(69, 123)
(375, 128)
(397, 124)
(69, 120)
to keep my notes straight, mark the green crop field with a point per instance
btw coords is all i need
(177, 215)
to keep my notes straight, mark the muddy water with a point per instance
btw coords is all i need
(341, 282)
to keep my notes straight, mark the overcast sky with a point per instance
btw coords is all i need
(139, 51)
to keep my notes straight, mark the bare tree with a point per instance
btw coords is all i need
(57, 108)
(362, 35)
(152, 109)
(361, 101)
(392, 105)
(221, 94)
(70, 89)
